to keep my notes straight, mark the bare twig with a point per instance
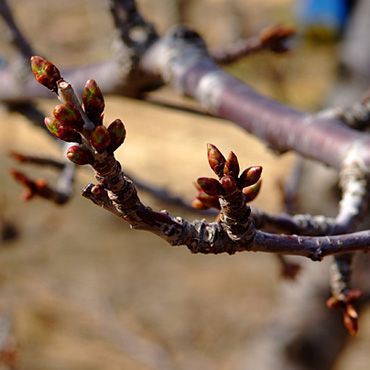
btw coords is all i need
(273, 38)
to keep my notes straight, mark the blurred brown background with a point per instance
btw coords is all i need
(83, 291)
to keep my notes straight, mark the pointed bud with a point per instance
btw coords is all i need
(252, 191)
(80, 155)
(232, 166)
(250, 176)
(216, 160)
(117, 134)
(229, 184)
(93, 102)
(69, 116)
(45, 72)
(210, 186)
(100, 138)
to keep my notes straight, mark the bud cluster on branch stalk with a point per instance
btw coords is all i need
(69, 120)
(235, 229)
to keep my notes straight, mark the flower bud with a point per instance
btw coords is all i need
(93, 102)
(250, 176)
(45, 72)
(80, 155)
(252, 191)
(69, 116)
(229, 184)
(100, 138)
(232, 166)
(117, 133)
(210, 186)
(68, 135)
(216, 160)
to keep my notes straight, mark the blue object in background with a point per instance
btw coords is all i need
(329, 14)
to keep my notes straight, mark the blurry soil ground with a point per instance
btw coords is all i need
(82, 290)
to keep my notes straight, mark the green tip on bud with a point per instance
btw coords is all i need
(62, 132)
(117, 134)
(45, 72)
(80, 155)
(93, 102)
(69, 116)
(100, 138)
(252, 191)
(250, 176)
(210, 186)
(52, 125)
(232, 166)
(216, 160)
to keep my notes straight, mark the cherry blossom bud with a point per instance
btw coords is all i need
(93, 102)
(80, 155)
(252, 191)
(232, 166)
(210, 186)
(69, 116)
(216, 160)
(45, 72)
(250, 176)
(117, 134)
(100, 138)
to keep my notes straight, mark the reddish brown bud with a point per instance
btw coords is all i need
(69, 116)
(93, 102)
(216, 160)
(100, 138)
(350, 319)
(80, 155)
(275, 38)
(210, 186)
(68, 135)
(117, 134)
(250, 176)
(252, 191)
(232, 166)
(45, 72)
(229, 184)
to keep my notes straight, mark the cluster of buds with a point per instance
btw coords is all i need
(345, 303)
(69, 118)
(229, 181)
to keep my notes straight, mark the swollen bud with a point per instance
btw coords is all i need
(117, 134)
(93, 102)
(45, 72)
(68, 135)
(216, 160)
(252, 191)
(100, 138)
(229, 184)
(80, 155)
(210, 186)
(232, 166)
(250, 176)
(69, 116)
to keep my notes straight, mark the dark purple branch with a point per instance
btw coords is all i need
(182, 60)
